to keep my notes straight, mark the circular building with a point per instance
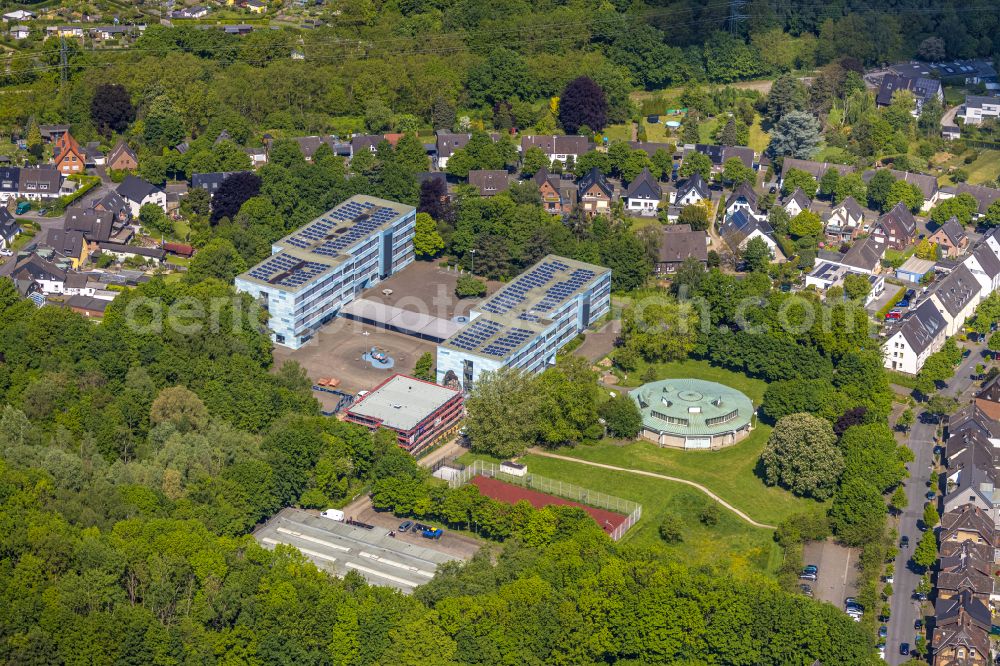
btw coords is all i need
(693, 414)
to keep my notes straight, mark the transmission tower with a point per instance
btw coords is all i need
(737, 14)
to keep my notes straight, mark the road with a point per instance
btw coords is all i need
(905, 610)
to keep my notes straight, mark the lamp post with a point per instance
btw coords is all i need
(473, 253)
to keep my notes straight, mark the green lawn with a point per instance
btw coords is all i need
(832, 154)
(986, 168)
(621, 132)
(731, 540)
(758, 137)
(706, 130)
(657, 132)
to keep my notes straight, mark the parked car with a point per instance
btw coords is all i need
(904, 541)
(918, 624)
(405, 525)
(920, 596)
(893, 314)
(910, 294)
(883, 631)
(806, 590)
(433, 534)
(904, 303)
(930, 495)
(904, 649)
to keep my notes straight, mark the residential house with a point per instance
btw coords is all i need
(137, 192)
(977, 108)
(967, 524)
(693, 190)
(97, 226)
(115, 204)
(951, 238)
(210, 182)
(972, 419)
(33, 269)
(897, 229)
(595, 192)
(796, 202)
(985, 266)
(119, 251)
(557, 147)
(18, 15)
(489, 181)
(93, 156)
(816, 169)
(558, 195)
(741, 227)
(720, 154)
(9, 228)
(447, 144)
(917, 335)
(988, 398)
(956, 297)
(923, 88)
(107, 32)
(88, 306)
(643, 195)
(827, 274)
(979, 70)
(914, 269)
(34, 184)
(984, 196)
(68, 244)
(743, 199)
(196, 12)
(20, 32)
(677, 243)
(122, 158)
(864, 256)
(309, 144)
(928, 185)
(258, 156)
(961, 632)
(51, 133)
(965, 570)
(369, 142)
(67, 155)
(845, 220)
(67, 31)
(256, 7)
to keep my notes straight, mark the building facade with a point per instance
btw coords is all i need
(324, 265)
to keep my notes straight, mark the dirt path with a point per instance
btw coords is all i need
(641, 472)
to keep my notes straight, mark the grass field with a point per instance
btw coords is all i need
(621, 132)
(832, 154)
(730, 540)
(758, 137)
(657, 132)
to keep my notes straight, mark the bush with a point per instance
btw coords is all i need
(709, 515)
(470, 287)
(671, 529)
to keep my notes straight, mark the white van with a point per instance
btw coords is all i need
(334, 514)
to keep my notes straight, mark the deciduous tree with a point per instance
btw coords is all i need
(583, 104)
(801, 455)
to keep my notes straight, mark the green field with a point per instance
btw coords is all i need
(758, 137)
(730, 540)
(621, 132)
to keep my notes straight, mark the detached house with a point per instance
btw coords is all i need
(918, 335)
(796, 202)
(815, 169)
(897, 229)
(9, 228)
(71, 245)
(67, 155)
(122, 158)
(594, 192)
(741, 227)
(447, 144)
(642, 197)
(558, 196)
(489, 181)
(927, 185)
(956, 297)
(951, 238)
(846, 220)
(33, 270)
(743, 199)
(693, 190)
(557, 147)
(678, 243)
(924, 89)
(137, 192)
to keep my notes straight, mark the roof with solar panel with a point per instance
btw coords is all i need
(513, 316)
(326, 242)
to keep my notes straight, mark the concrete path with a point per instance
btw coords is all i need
(641, 472)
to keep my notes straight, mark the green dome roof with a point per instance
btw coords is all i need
(692, 407)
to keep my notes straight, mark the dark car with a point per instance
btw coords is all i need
(806, 590)
(905, 303)
(930, 494)
(904, 542)
(918, 624)
(910, 294)
(904, 649)
(883, 631)
(405, 525)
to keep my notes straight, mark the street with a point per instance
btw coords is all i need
(905, 609)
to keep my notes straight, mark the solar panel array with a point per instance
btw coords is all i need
(514, 294)
(286, 271)
(329, 236)
(475, 334)
(508, 342)
(560, 291)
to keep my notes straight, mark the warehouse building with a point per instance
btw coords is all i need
(418, 412)
(524, 324)
(321, 267)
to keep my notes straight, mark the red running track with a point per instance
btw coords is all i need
(511, 494)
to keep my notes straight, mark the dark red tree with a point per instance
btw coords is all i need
(583, 103)
(111, 108)
(233, 193)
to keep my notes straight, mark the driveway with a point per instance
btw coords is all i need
(921, 441)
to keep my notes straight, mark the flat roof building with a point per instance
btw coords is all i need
(418, 412)
(324, 265)
(526, 322)
(693, 413)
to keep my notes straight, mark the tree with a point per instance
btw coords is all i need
(898, 500)
(152, 218)
(993, 344)
(929, 122)
(828, 183)
(905, 420)
(801, 455)
(695, 215)
(851, 185)
(233, 192)
(179, 407)
(931, 517)
(583, 104)
(568, 395)
(806, 223)
(756, 255)
(196, 202)
(695, 162)
(503, 413)
(857, 514)
(671, 528)
(470, 287)
(218, 259)
(736, 173)
(992, 217)
(795, 179)
(786, 95)
(796, 135)
(729, 136)
(961, 207)
(925, 554)
(534, 161)
(878, 189)
(663, 162)
(908, 193)
(111, 108)
(427, 242)
(932, 49)
(927, 250)
(433, 200)
(856, 286)
(621, 416)
(709, 514)
(424, 369)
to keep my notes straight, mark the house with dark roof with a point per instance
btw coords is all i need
(978, 108)
(928, 185)
(720, 154)
(115, 204)
(965, 570)
(988, 398)
(740, 228)
(97, 226)
(643, 195)
(815, 169)
(984, 196)
(865, 256)
(557, 147)
(923, 88)
(915, 337)
(970, 418)
(46, 276)
(210, 182)
(308, 145)
(489, 181)
(447, 144)
(137, 192)
(951, 238)
(369, 142)
(691, 191)
(956, 297)
(796, 202)
(93, 156)
(845, 221)
(9, 228)
(967, 524)
(677, 243)
(896, 229)
(594, 192)
(32, 183)
(68, 244)
(743, 199)
(122, 158)
(558, 195)
(961, 635)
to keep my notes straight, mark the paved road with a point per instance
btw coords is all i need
(642, 472)
(921, 441)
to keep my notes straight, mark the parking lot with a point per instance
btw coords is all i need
(838, 571)
(402, 563)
